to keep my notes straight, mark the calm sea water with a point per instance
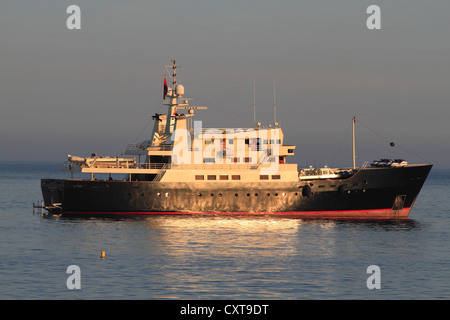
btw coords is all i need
(219, 257)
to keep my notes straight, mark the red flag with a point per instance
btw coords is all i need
(165, 88)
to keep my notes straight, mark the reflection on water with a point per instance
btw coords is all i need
(386, 225)
(241, 257)
(225, 236)
(237, 236)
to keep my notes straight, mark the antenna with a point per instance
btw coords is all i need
(274, 103)
(254, 102)
(353, 143)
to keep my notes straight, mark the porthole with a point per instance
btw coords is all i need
(199, 194)
(219, 194)
(268, 194)
(235, 194)
(276, 194)
(256, 194)
(248, 194)
(212, 194)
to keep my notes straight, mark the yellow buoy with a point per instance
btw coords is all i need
(102, 255)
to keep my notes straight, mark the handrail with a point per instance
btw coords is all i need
(160, 173)
(137, 146)
(144, 165)
(152, 165)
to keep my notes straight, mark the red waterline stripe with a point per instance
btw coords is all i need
(371, 213)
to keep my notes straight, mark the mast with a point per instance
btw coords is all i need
(353, 143)
(173, 103)
(174, 75)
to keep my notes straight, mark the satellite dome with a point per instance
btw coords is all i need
(179, 90)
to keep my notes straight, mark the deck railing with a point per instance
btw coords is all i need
(134, 146)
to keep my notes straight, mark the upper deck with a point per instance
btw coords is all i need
(180, 149)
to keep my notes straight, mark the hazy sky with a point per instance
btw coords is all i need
(94, 90)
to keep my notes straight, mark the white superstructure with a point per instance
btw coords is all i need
(180, 149)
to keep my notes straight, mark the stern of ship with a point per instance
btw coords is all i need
(53, 194)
